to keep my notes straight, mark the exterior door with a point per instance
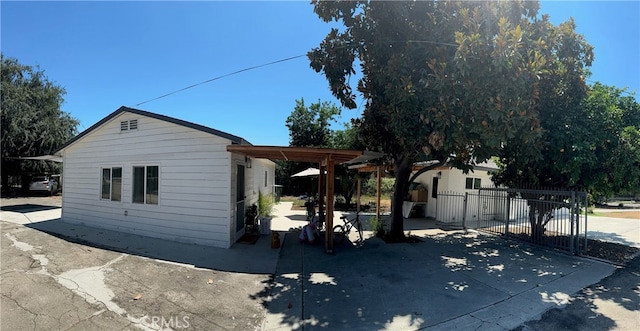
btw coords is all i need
(240, 198)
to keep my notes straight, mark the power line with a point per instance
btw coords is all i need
(220, 77)
(289, 59)
(268, 64)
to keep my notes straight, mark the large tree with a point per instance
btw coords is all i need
(590, 144)
(443, 80)
(614, 131)
(580, 130)
(32, 122)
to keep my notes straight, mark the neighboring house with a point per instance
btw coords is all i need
(444, 179)
(154, 175)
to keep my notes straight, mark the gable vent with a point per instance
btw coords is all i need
(128, 125)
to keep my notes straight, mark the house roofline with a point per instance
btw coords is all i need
(234, 139)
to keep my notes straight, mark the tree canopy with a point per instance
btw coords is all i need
(32, 122)
(443, 80)
(592, 144)
(310, 125)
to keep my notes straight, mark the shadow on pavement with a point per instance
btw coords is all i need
(302, 218)
(444, 279)
(28, 208)
(258, 258)
(616, 295)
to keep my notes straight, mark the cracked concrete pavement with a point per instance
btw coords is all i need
(52, 284)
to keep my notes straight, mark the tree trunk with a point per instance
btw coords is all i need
(400, 191)
(537, 227)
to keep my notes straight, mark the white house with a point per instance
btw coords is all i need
(449, 182)
(158, 176)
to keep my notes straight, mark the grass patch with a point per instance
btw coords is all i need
(297, 203)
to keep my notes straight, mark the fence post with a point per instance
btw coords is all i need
(572, 219)
(464, 211)
(586, 211)
(506, 226)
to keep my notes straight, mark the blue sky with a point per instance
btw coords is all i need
(109, 54)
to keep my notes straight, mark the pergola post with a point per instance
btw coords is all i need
(330, 183)
(358, 193)
(321, 193)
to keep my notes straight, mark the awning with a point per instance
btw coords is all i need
(309, 172)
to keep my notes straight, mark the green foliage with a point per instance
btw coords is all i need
(347, 138)
(592, 143)
(265, 204)
(31, 119)
(386, 186)
(310, 126)
(377, 226)
(441, 79)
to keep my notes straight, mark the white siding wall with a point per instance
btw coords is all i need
(452, 180)
(254, 183)
(194, 181)
(258, 169)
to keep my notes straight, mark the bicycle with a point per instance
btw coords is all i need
(341, 231)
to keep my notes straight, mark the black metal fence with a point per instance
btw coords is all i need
(553, 218)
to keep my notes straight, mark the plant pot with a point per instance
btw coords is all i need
(265, 225)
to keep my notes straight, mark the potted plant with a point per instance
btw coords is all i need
(265, 209)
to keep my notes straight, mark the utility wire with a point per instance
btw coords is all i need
(220, 77)
(268, 64)
(289, 59)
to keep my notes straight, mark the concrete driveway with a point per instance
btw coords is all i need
(451, 280)
(465, 281)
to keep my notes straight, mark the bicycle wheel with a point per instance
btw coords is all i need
(338, 234)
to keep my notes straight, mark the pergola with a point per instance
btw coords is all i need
(327, 159)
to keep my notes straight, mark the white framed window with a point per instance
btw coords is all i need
(146, 182)
(473, 183)
(111, 184)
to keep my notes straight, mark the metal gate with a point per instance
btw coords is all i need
(553, 218)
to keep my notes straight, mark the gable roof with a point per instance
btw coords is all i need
(234, 139)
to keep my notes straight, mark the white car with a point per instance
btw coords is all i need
(43, 184)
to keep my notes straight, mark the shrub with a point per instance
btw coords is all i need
(265, 204)
(386, 186)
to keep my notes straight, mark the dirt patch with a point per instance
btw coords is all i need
(635, 215)
(616, 253)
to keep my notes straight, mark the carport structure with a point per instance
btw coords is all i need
(326, 158)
